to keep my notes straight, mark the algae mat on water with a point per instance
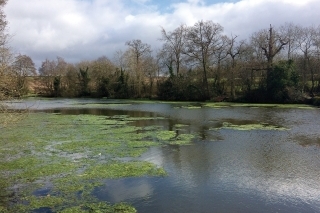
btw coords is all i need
(252, 126)
(53, 161)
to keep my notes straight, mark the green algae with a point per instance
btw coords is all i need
(180, 125)
(217, 105)
(54, 203)
(103, 105)
(188, 107)
(74, 153)
(251, 126)
(182, 139)
(120, 170)
(257, 105)
(166, 135)
(37, 202)
(102, 207)
(173, 138)
(20, 163)
(40, 171)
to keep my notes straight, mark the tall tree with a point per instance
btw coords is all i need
(84, 80)
(202, 41)
(138, 51)
(271, 43)
(102, 76)
(306, 41)
(235, 49)
(220, 56)
(23, 67)
(290, 32)
(7, 79)
(47, 72)
(174, 45)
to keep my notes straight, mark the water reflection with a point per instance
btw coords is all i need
(125, 189)
(269, 172)
(224, 170)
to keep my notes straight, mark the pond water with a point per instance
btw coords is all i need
(244, 158)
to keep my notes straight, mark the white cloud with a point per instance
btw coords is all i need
(87, 29)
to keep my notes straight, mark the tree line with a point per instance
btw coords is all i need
(195, 63)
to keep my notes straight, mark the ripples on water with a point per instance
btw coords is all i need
(225, 170)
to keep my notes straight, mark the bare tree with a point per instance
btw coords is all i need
(119, 60)
(202, 41)
(174, 45)
(317, 55)
(8, 80)
(271, 43)
(23, 67)
(306, 41)
(220, 56)
(235, 49)
(290, 32)
(61, 66)
(47, 72)
(138, 51)
(6, 76)
(102, 76)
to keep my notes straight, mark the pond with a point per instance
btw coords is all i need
(197, 157)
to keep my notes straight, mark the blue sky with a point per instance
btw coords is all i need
(165, 6)
(165, 3)
(87, 29)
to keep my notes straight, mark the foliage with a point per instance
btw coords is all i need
(195, 63)
(180, 88)
(278, 80)
(57, 86)
(276, 86)
(103, 85)
(198, 63)
(316, 101)
(121, 89)
(84, 80)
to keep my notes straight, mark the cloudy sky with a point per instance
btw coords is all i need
(87, 29)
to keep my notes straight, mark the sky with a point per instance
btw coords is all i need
(79, 30)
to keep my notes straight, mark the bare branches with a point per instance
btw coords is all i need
(138, 48)
(174, 44)
(138, 51)
(203, 40)
(270, 42)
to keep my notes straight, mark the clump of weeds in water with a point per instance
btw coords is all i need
(70, 155)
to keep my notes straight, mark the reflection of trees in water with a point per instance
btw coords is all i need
(203, 132)
(105, 112)
(307, 140)
(266, 154)
(271, 116)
